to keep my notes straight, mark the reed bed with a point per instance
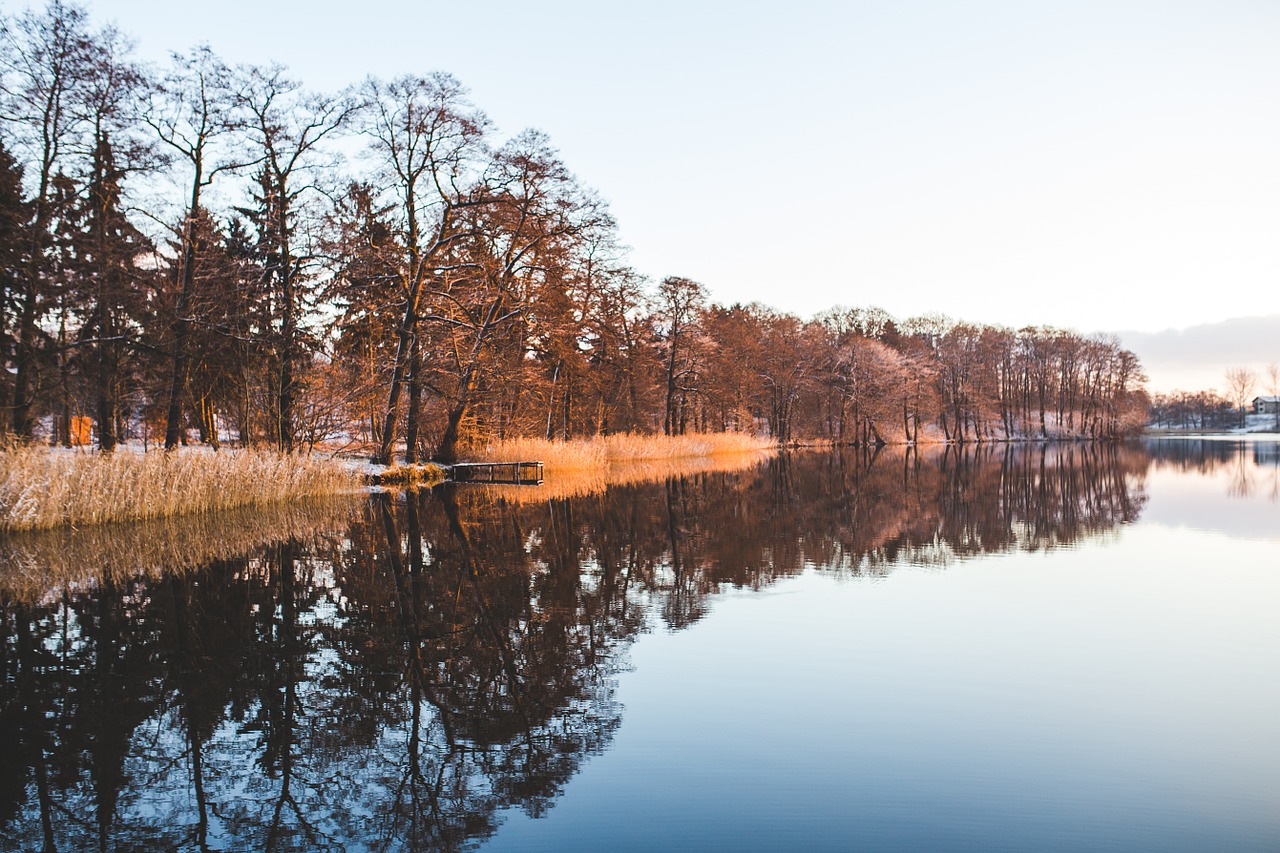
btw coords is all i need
(575, 468)
(40, 490)
(581, 482)
(602, 454)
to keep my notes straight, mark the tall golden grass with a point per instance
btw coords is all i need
(415, 476)
(587, 481)
(585, 466)
(607, 452)
(40, 489)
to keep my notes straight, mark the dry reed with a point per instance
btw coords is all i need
(40, 489)
(410, 476)
(606, 453)
(585, 466)
(577, 483)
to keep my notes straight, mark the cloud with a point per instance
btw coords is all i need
(1196, 357)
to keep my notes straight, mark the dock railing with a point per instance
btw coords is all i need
(498, 473)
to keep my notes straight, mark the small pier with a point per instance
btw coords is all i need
(498, 473)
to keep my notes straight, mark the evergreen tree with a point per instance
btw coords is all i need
(363, 293)
(108, 287)
(15, 219)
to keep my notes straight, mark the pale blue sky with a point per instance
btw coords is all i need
(1099, 165)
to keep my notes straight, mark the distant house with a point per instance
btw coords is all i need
(1266, 405)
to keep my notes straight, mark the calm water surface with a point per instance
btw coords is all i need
(1065, 648)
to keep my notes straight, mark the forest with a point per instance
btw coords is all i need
(214, 253)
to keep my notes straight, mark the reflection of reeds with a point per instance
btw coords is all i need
(583, 466)
(41, 490)
(605, 452)
(31, 563)
(571, 482)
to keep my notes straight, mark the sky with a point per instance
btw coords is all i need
(1198, 357)
(1089, 165)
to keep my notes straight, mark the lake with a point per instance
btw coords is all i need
(1061, 647)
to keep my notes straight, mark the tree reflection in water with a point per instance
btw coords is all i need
(397, 684)
(1252, 467)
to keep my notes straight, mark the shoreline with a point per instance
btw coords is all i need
(45, 488)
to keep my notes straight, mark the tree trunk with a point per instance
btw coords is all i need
(568, 407)
(25, 362)
(408, 328)
(447, 450)
(288, 324)
(413, 417)
(181, 322)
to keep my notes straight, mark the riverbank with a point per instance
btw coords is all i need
(1236, 434)
(1266, 425)
(42, 489)
(45, 489)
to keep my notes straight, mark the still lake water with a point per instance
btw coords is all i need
(1072, 647)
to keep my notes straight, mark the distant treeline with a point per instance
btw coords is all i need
(214, 249)
(1194, 410)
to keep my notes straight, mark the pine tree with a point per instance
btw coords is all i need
(108, 288)
(15, 220)
(364, 291)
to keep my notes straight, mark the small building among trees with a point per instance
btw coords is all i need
(1266, 405)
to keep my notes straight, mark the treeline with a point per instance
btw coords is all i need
(216, 250)
(1200, 410)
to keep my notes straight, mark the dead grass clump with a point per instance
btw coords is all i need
(605, 453)
(40, 489)
(410, 476)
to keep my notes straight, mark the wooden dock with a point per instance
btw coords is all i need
(498, 473)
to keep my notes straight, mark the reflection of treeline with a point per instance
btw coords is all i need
(861, 512)
(1191, 454)
(1250, 467)
(451, 654)
(1207, 455)
(305, 697)
(447, 285)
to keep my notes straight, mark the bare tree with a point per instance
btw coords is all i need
(45, 58)
(1273, 385)
(193, 112)
(680, 301)
(517, 244)
(1240, 383)
(609, 296)
(426, 140)
(286, 126)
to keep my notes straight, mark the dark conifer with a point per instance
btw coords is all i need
(109, 289)
(15, 220)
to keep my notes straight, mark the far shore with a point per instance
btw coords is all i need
(1237, 434)
(43, 489)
